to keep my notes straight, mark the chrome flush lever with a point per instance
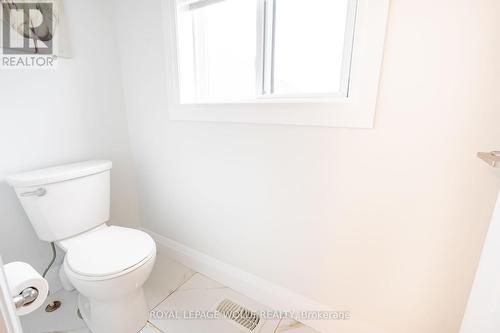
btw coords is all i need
(492, 158)
(37, 193)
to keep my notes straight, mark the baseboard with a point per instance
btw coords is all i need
(270, 294)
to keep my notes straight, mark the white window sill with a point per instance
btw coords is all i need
(332, 113)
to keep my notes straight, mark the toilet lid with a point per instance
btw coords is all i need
(109, 251)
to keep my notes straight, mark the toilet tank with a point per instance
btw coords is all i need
(65, 200)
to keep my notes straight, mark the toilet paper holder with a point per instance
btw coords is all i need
(26, 297)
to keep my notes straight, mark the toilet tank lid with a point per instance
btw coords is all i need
(58, 173)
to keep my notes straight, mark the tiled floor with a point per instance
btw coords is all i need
(171, 287)
(203, 294)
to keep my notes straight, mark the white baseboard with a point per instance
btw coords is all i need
(263, 291)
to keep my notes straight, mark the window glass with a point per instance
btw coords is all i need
(217, 50)
(244, 50)
(309, 46)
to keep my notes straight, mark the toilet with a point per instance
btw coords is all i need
(107, 265)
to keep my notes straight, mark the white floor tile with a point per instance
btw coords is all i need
(199, 281)
(166, 277)
(202, 294)
(79, 330)
(63, 319)
(269, 326)
(150, 329)
(293, 326)
(147, 329)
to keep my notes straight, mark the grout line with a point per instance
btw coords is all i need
(177, 288)
(279, 324)
(213, 288)
(206, 277)
(150, 323)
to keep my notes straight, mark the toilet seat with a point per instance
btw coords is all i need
(109, 252)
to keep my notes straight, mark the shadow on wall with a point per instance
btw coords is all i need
(18, 240)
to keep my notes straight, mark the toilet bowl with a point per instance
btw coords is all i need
(107, 265)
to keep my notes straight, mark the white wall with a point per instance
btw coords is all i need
(387, 223)
(72, 113)
(483, 308)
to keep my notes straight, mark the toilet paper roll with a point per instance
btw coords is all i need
(20, 276)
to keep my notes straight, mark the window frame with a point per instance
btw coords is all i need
(354, 107)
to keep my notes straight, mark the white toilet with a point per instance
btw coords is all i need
(108, 265)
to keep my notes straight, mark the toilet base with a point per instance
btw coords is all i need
(122, 315)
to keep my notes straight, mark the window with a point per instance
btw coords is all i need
(313, 62)
(239, 50)
(217, 42)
